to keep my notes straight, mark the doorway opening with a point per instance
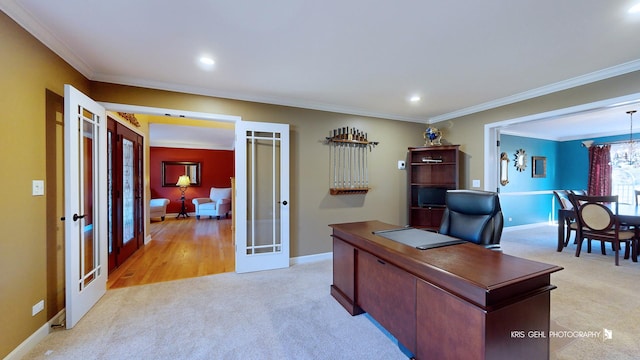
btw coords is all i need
(492, 132)
(55, 253)
(181, 247)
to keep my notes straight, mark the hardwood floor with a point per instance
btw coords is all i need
(181, 248)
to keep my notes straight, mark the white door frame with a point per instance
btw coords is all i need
(138, 109)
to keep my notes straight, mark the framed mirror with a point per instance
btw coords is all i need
(520, 160)
(538, 166)
(504, 169)
(172, 170)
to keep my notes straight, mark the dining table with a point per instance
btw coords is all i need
(628, 214)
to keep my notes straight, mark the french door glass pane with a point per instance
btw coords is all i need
(88, 238)
(109, 192)
(263, 193)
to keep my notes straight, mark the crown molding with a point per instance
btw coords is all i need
(297, 103)
(29, 22)
(603, 74)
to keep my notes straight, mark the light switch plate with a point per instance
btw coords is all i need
(401, 165)
(38, 188)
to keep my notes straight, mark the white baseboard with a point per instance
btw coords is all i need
(33, 340)
(528, 226)
(147, 239)
(310, 258)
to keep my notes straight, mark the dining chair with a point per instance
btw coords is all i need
(597, 220)
(570, 221)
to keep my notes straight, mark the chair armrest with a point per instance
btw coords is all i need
(198, 201)
(494, 247)
(223, 201)
(159, 202)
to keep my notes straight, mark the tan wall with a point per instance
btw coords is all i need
(27, 68)
(312, 208)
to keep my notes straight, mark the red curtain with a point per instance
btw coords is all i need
(599, 171)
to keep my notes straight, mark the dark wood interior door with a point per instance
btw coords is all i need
(125, 193)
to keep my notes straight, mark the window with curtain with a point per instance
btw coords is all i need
(600, 171)
(625, 175)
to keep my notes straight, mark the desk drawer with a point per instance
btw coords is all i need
(388, 294)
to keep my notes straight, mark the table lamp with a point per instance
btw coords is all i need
(183, 183)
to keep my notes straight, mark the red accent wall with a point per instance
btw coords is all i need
(216, 166)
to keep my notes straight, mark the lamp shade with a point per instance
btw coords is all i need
(183, 181)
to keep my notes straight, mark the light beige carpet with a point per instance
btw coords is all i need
(592, 295)
(289, 314)
(278, 314)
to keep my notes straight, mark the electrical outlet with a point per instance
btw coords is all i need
(476, 183)
(37, 308)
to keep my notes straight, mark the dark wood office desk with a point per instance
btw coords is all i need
(627, 214)
(454, 302)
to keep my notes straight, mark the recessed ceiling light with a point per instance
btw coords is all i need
(414, 98)
(207, 61)
(634, 9)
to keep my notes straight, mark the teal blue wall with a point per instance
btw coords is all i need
(567, 169)
(573, 168)
(522, 180)
(519, 209)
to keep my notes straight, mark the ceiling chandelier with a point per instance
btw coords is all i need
(631, 112)
(631, 156)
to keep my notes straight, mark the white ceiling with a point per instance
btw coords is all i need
(601, 122)
(359, 56)
(191, 137)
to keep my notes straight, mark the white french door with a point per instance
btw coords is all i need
(262, 196)
(85, 147)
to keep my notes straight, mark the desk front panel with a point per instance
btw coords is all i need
(388, 294)
(450, 328)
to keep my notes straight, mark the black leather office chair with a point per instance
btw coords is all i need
(473, 216)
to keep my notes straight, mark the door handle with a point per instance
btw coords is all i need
(283, 202)
(76, 217)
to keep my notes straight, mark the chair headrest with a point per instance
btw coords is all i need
(473, 202)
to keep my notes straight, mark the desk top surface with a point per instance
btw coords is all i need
(483, 268)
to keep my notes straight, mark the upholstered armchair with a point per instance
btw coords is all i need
(474, 216)
(217, 204)
(158, 208)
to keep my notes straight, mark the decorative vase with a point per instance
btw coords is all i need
(432, 136)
